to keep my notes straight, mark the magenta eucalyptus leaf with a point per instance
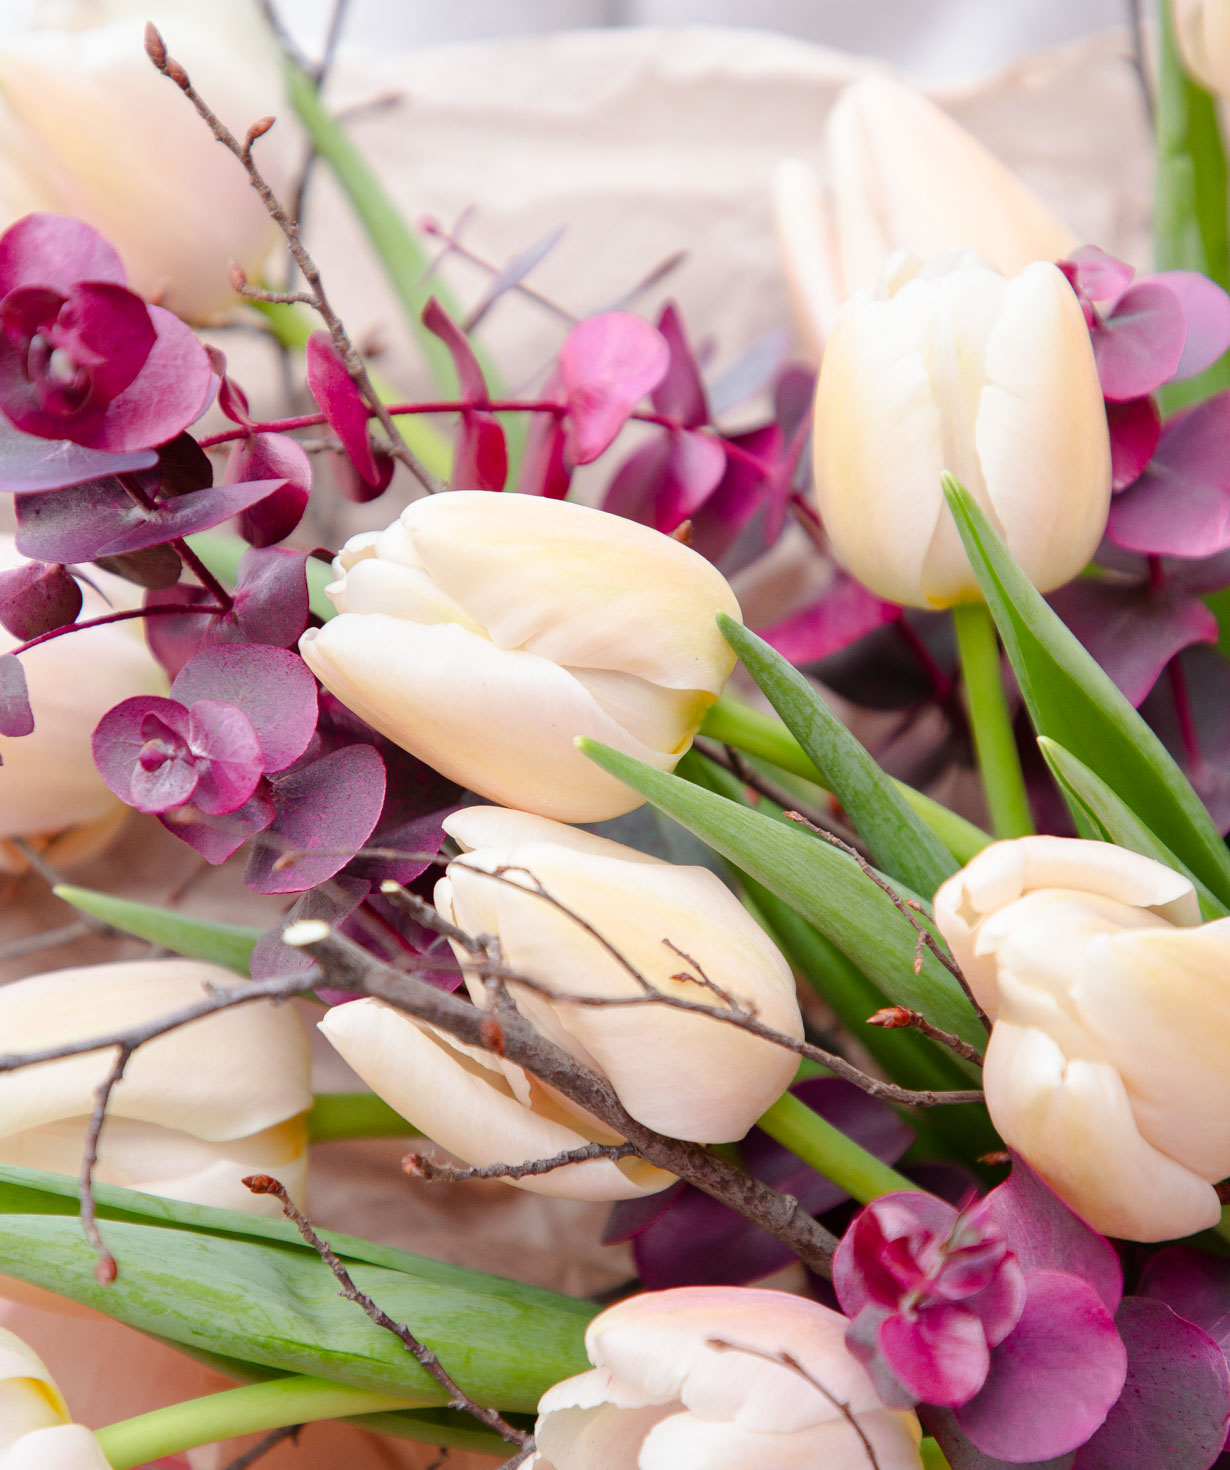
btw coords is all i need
(271, 597)
(1205, 679)
(271, 686)
(155, 567)
(681, 393)
(333, 902)
(217, 837)
(1206, 309)
(328, 809)
(56, 251)
(480, 459)
(717, 524)
(750, 373)
(940, 1355)
(942, 1425)
(99, 518)
(29, 465)
(16, 716)
(1096, 275)
(342, 404)
(514, 272)
(271, 457)
(1194, 1284)
(668, 480)
(182, 466)
(607, 364)
(353, 486)
(470, 380)
(629, 1217)
(171, 391)
(420, 838)
(37, 597)
(141, 750)
(1054, 1377)
(1175, 1405)
(1135, 428)
(228, 756)
(175, 638)
(544, 465)
(1139, 345)
(842, 614)
(1133, 630)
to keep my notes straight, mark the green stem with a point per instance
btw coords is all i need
(814, 1140)
(764, 735)
(990, 722)
(249, 1410)
(336, 1115)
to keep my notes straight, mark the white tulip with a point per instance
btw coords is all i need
(50, 789)
(957, 368)
(484, 633)
(1202, 29)
(1108, 1066)
(196, 1109)
(899, 174)
(35, 1432)
(663, 1396)
(89, 128)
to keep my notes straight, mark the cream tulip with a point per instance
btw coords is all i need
(899, 174)
(1108, 1066)
(89, 128)
(484, 633)
(664, 1395)
(1202, 29)
(35, 1431)
(954, 367)
(680, 1073)
(196, 1109)
(50, 790)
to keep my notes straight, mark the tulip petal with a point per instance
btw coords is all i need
(62, 1447)
(1072, 1121)
(599, 1438)
(456, 1099)
(684, 1442)
(436, 691)
(496, 826)
(29, 1398)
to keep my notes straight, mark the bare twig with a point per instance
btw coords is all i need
(788, 1360)
(423, 1355)
(52, 878)
(156, 50)
(261, 1448)
(48, 939)
(525, 1453)
(420, 1166)
(893, 1018)
(737, 764)
(105, 1271)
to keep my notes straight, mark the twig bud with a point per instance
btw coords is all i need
(258, 130)
(237, 276)
(177, 74)
(683, 533)
(261, 1184)
(892, 1018)
(155, 46)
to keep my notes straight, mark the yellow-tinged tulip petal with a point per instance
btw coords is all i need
(62, 1447)
(29, 1398)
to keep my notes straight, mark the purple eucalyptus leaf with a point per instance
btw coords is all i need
(842, 614)
(751, 372)
(1133, 630)
(942, 1425)
(1206, 574)
(228, 756)
(356, 487)
(155, 567)
(681, 393)
(668, 480)
(341, 403)
(1194, 1284)
(37, 597)
(16, 716)
(100, 518)
(607, 364)
(271, 686)
(629, 1217)
(327, 810)
(217, 837)
(150, 780)
(512, 274)
(175, 638)
(1199, 737)
(332, 901)
(271, 457)
(544, 466)
(182, 466)
(271, 597)
(718, 523)
(55, 250)
(420, 838)
(1097, 275)
(1206, 309)
(470, 378)
(1065, 1354)
(1175, 1405)
(940, 1354)
(1135, 428)
(480, 459)
(1139, 345)
(29, 465)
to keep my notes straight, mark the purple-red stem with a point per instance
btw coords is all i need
(185, 552)
(1178, 687)
(158, 610)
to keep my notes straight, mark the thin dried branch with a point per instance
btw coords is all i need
(156, 50)
(52, 878)
(894, 1018)
(423, 1355)
(420, 1166)
(106, 1269)
(525, 1453)
(48, 939)
(736, 763)
(261, 1448)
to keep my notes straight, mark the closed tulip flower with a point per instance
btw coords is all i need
(1108, 1066)
(1202, 28)
(958, 368)
(484, 633)
(196, 1109)
(89, 128)
(899, 174)
(671, 1388)
(35, 1429)
(50, 789)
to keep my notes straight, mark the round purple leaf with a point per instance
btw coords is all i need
(272, 686)
(939, 1354)
(271, 457)
(57, 251)
(37, 597)
(607, 365)
(141, 751)
(1135, 428)
(227, 753)
(1138, 346)
(217, 837)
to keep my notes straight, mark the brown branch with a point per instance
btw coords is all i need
(420, 1166)
(48, 939)
(156, 50)
(261, 1448)
(736, 763)
(105, 1270)
(526, 1452)
(894, 1018)
(423, 1355)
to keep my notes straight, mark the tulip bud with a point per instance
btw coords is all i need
(670, 1386)
(484, 633)
(1202, 29)
(1108, 1067)
(50, 789)
(35, 1432)
(900, 174)
(197, 1108)
(683, 1074)
(957, 368)
(89, 128)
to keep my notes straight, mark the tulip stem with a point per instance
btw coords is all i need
(990, 722)
(252, 1409)
(336, 1115)
(764, 737)
(829, 1151)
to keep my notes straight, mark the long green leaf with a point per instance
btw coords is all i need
(823, 884)
(1073, 702)
(1117, 821)
(228, 945)
(897, 837)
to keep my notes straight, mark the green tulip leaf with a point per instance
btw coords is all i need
(898, 839)
(228, 945)
(1073, 702)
